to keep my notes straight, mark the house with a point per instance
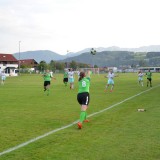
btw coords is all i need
(30, 63)
(8, 60)
(9, 64)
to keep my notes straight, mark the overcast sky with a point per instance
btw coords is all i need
(61, 25)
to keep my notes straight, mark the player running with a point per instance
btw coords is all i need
(47, 81)
(65, 77)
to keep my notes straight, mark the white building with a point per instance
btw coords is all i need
(9, 64)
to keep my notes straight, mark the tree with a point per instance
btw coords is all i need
(60, 65)
(23, 66)
(52, 65)
(43, 66)
(73, 65)
(95, 66)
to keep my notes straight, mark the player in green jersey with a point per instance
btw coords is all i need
(149, 78)
(47, 81)
(65, 77)
(83, 96)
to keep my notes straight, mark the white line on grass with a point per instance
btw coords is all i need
(67, 126)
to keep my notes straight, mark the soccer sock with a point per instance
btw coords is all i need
(85, 115)
(48, 91)
(111, 88)
(82, 116)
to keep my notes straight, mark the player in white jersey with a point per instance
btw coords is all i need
(3, 77)
(71, 78)
(140, 78)
(110, 77)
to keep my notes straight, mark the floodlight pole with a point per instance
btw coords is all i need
(19, 56)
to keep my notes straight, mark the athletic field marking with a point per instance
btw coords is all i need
(67, 126)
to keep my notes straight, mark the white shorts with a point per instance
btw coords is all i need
(3, 78)
(140, 79)
(71, 80)
(110, 81)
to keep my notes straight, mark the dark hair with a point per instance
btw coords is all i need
(81, 75)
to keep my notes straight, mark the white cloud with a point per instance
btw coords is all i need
(59, 25)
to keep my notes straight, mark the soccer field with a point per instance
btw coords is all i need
(35, 126)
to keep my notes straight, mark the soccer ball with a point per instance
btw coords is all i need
(93, 51)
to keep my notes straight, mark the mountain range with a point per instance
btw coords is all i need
(104, 55)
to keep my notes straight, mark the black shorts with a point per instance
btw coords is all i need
(65, 79)
(150, 79)
(46, 83)
(83, 98)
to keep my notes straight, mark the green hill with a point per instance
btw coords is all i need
(118, 58)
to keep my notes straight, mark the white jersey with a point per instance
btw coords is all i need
(140, 75)
(70, 74)
(110, 76)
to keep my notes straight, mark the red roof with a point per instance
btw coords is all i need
(7, 57)
(28, 61)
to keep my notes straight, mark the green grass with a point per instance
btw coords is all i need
(120, 133)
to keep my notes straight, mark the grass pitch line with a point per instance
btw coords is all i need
(103, 110)
(36, 138)
(67, 126)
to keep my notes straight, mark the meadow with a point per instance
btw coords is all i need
(116, 131)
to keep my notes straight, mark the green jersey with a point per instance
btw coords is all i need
(65, 75)
(149, 74)
(84, 85)
(47, 77)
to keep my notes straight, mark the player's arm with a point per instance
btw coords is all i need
(43, 75)
(88, 75)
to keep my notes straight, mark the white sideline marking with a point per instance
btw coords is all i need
(67, 126)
